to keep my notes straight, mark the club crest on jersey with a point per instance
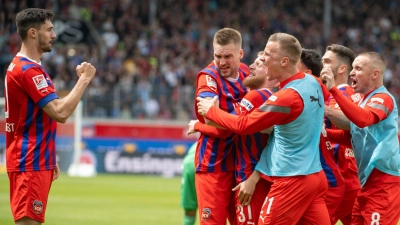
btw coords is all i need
(37, 206)
(211, 82)
(246, 104)
(206, 214)
(40, 81)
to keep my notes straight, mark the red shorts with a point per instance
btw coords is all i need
(343, 212)
(296, 200)
(29, 192)
(249, 214)
(334, 197)
(215, 197)
(378, 201)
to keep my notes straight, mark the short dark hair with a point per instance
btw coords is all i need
(31, 18)
(226, 36)
(344, 54)
(312, 60)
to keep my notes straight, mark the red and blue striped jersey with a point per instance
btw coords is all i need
(30, 132)
(328, 163)
(249, 147)
(344, 154)
(215, 154)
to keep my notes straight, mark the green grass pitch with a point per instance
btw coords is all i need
(107, 200)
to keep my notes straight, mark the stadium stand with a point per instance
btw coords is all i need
(147, 53)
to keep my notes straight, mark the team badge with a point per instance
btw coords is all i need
(206, 214)
(40, 81)
(211, 82)
(37, 207)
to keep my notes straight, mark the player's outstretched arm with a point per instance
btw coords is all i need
(61, 109)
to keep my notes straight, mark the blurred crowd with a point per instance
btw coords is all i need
(150, 51)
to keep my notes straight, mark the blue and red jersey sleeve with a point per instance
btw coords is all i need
(38, 86)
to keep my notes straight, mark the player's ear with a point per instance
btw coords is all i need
(32, 32)
(342, 69)
(285, 61)
(241, 54)
(376, 74)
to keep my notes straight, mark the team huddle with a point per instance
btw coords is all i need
(284, 141)
(287, 140)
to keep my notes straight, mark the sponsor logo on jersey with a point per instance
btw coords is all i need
(40, 81)
(246, 104)
(356, 97)
(206, 214)
(211, 82)
(273, 98)
(349, 152)
(37, 206)
(377, 100)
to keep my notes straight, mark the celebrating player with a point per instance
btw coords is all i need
(249, 197)
(32, 111)
(373, 131)
(339, 59)
(214, 160)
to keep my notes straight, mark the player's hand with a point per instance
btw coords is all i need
(246, 190)
(56, 172)
(191, 127)
(327, 77)
(203, 105)
(86, 70)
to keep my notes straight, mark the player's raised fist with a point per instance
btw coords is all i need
(86, 70)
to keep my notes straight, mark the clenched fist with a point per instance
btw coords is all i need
(86, 70)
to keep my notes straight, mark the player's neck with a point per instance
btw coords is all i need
(31, 52)
(341, 79)
(287, 73)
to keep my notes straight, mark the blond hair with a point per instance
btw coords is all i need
(289, 45)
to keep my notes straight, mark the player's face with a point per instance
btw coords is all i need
(46, 36)
(361, 74)
(272, 60)
(330, 60)
(257, 76)
(227, 59)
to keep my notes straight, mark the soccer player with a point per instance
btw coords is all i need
(291, 159)
(373, 131)
(188, 189)
(248, 147)
(214, 160)
(32, 110)
(310, 62)
(339, 58)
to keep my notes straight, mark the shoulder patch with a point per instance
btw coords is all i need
(40, 81)
(210, 81)
(273, 98)
(246, 104)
